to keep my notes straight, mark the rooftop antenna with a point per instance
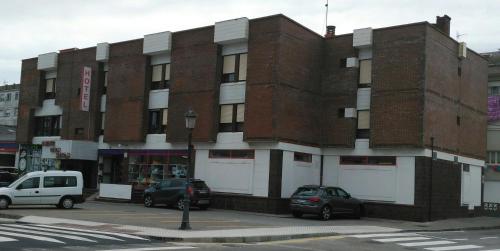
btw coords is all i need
(326, 17)
(460, 35)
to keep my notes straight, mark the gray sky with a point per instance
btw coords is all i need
(33, 27)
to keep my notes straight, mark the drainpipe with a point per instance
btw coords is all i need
(321, 172)
(430, 180)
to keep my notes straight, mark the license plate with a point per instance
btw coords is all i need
(203, 201)
(300, 201)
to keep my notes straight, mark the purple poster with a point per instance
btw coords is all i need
(493, 108)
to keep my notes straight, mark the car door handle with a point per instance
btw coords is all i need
(36, 191)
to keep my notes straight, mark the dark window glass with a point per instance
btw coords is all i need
(30, 183)
(155, 122)
(234, 68)
(177, 183)
(303, 157)
(232, 118)
(307, 191)
(343, 62)
(160, 76)
(47, 126)
(363, 133)
(217, 154)
(341, 113)
(368, 160)
(199, 185)
(341, 192)
(233, 154)
(59, 181)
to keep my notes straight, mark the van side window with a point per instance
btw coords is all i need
(30, 183)
(59, 181)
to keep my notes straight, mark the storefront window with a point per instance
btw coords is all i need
(145, 169)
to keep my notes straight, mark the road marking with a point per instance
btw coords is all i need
(98, 236)
(203, 221)
(454, 248)
(66, 236)
(460, 239)
(301, 240)
(492, 250)
(489, 237)
(402, 239)
(38, 238)
(425, 243)
(381, 235)
(5, 239)
(95, 231)
(151, 249)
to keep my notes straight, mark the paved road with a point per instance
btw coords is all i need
(428, 241)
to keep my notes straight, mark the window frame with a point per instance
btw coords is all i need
(302, 157)
(48, 126)
(368, 160)
(365, 85)
(237, 62)
(52, 94)
(231, 154)
(163, 83)
(159, 128)
(234, 126)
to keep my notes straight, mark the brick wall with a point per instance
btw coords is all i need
(195, 80)
(29, 98)
(396, 110)
(126, 104)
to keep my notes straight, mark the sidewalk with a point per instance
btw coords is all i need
(260, 234)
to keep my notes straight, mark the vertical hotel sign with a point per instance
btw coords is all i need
(85, 88)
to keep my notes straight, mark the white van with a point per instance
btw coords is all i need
(60, 188)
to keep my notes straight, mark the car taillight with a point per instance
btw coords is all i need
(314, 199)
(190, 191)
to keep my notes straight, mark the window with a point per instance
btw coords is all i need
(368, 160)
(302, 157)
(341, 113)
(16, 96)
(343, 62)
(341, 193)
(494, 90)
(59, 181)
(365, 73)
(15, 112)
(493, 157)
(458, 120)
(30, 183)
(158, 121)
(160, 76)
(2, 97)
(7, 113)
(231, 154)
(234, 68)
(232, 118)
(47, 126)
(363, 128)
(50, 88)
(459, 71)
(7, 98)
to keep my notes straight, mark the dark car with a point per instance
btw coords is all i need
(171, 192)
(324, 202)
(6, 178)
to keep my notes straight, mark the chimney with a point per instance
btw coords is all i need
(443, 23)
(330, 31)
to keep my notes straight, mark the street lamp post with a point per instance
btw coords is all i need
(190, 117)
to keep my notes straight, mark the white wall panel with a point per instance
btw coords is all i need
(158, 99)
(331, 170)
(49, 108)
(365, 53)
(367, 182)
(163, 58)
(471, 186)
(232, 93)
(102, 52)
(157, 43)
(47, 61)
(115, 191)
(235, 48)
(231, 31)
(261, 173)
(296, 173)
(492, 191)
(363, 101)
(230, 175)
(362, 37)
(405, 183)
(50, 74)
(352, 62)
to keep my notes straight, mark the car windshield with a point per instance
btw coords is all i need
(12, 184)
(199, 184)
(306, 191)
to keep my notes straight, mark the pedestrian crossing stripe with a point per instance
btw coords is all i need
(98, 236)
(5, 239)
(448, 248)
(382, 235)
(93, 231)
(33, 237)
(64, 236)
(426, 243)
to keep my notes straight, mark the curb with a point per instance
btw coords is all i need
(239, 239)
(452, 229)
(11, 216)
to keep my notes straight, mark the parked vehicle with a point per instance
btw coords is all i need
(324, 202)
(6, 178)
(171, 192)
(60, 188)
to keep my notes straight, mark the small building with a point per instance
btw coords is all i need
(9, 101)
(394, 115)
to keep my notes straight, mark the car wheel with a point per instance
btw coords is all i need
(326, 213)
(297, 214)
(4, 203)
(66, 203)
(180, 204)
(148, 201)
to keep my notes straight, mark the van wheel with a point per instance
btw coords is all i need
(4, 203)
(148, 201)
(66, 203)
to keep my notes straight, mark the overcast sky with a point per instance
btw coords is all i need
(32, 27)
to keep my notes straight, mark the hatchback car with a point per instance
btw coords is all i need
(324, 202)
(171, 192)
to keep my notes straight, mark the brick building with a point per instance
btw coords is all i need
(278, 106)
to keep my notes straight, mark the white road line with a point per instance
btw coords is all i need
(454, 248)
(65, 236)
(38, 238)
(425, 243)
(381, 235)
(151, 249)
(403, 239)
(5, 239)
(98, 236)
(94, 231)
(488, 237)
(491, 250)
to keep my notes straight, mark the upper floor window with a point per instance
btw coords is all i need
(234, 68)
(302, 157)
(363, 128)
(158, 121)
(365, 73)
(232, 117)
(16, 96)
(160, 76)
(47, 126)
(8, 96)
(2, 97)
(50, 88)
(494, 90)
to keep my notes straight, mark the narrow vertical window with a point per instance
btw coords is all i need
(229, 69)
(160, 76)
(365, 73)
(232, 118)
(50, 88)
(242, 72)
(363, 128)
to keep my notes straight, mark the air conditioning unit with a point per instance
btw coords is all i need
(462, 50)
(352, 62)
(350, 113)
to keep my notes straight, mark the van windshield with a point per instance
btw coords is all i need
(14, 182)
